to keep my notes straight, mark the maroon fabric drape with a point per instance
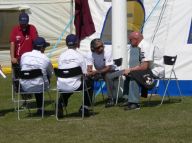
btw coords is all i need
(83, 21)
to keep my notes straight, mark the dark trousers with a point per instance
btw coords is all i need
(39, 99)
(145, 78)
(15, 75)
(63, 99)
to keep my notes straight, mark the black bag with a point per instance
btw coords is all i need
(144, 77)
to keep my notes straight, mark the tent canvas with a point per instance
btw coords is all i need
(169, 27)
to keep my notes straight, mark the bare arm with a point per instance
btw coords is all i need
(12, 53)
(90, 70)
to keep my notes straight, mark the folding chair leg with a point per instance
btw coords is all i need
(56, 111)
(91, 102)
(165, 92)
(18, 105)
(42, 108)
(83, 106)
(178, 87)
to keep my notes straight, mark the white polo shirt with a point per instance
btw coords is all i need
(100, 60)
(70, 59)
(154, 55)
(36, 60)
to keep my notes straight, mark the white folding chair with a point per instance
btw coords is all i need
(101, 83)
(70, 73)
(29, 75)
(169, 61)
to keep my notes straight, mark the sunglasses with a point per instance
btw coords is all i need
(101, 46)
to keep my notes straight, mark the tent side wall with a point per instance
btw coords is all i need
(171, 34)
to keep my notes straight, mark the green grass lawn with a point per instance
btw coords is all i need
(170, 123)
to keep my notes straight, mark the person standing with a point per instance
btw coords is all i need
(21, 41)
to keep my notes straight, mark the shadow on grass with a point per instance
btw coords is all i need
(153, 103)
(78, 115)
(48, 113)
(6, 111)
(102, 102)
(32, 104)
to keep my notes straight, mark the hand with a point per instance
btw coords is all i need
(92, 73)
(14, 61)
(126, 72)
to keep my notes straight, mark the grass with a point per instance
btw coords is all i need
(170, 123)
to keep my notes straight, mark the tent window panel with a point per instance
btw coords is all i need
(8, 18)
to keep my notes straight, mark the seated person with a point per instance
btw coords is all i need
(101, 58)
(151, 62)
(36, 59)
(69, 59)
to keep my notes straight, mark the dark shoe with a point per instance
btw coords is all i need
(109, 103)
(86, 111)
(60, 113)
(132, 106)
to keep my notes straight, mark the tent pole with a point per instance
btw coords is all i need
(119, 30)
(71, 13)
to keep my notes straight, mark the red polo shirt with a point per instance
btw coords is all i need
(23, 42)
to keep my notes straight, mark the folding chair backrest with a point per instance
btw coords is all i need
(30, 74)
(67, 73)
(118, 62)
(170, 60)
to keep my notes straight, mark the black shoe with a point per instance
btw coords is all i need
(60, 113)
(86, 111)
(109, 103)
(132, 106)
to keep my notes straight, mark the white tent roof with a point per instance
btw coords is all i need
(14, 7)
